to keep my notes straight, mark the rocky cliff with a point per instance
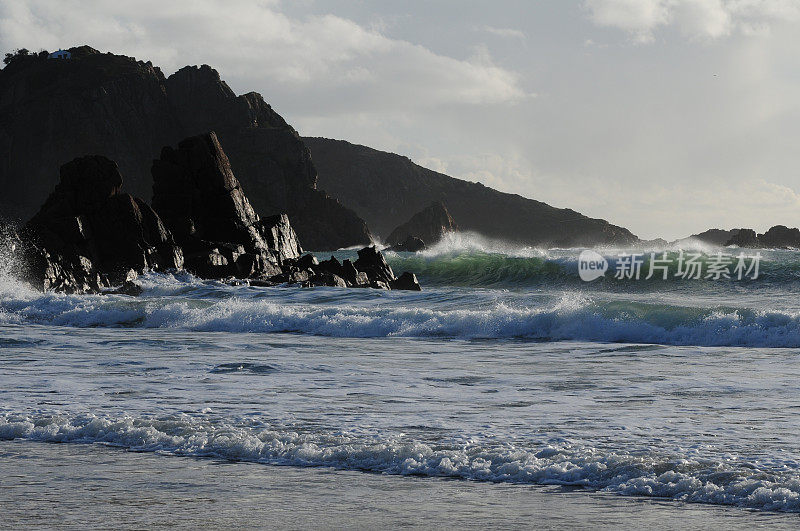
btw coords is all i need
(89, 235)
(387, 189)
(715, 237)
(53, 111)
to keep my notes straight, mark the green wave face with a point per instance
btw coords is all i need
(475, 268)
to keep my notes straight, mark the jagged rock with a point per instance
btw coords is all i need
(406, 281)
(412, 244)
(744, 238)
(428, 225)
(53, 111)
(88, 234)
(297, 276)
(332, 266)
(328, 279)
(372, 262)
(197, 195)
(780, 236)
(307, 261)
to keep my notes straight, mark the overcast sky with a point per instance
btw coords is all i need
(664, 116)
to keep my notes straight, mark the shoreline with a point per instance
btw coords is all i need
(77, 485)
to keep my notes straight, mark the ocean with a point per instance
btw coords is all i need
(508, 392)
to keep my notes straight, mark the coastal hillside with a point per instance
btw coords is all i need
(386, 190)
(54, 110)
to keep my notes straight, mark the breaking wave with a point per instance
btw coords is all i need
(682, 474)
(184, 302)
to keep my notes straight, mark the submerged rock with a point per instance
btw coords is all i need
(412, 244)
(406, 281)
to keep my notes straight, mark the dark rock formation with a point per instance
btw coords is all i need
(406, 281)
(409, 245)
(779, 236)
(386, 190)
(372, 262)
(197, 195)
(88, 234)
(267, 155)
(744, 238)
(129, 288)
(428, 225)
(53, 111)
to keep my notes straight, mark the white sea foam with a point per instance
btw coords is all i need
(681, 476)
(182, 303)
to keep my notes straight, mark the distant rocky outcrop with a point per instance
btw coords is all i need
(713, 237)
(53, 111)
(387, 189)
(778, 236)
(744, 238)
(89, 235)
(428, 225)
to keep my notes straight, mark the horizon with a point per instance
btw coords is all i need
(666, 118)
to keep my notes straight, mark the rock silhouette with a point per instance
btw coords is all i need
(201, 201)
(88, 234)
(779, 236)
(54, 111)
(428, 225)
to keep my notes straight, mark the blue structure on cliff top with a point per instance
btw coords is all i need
(60, 54)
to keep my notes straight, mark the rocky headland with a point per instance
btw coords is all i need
(89, 236)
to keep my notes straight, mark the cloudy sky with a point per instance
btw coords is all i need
(665, 116)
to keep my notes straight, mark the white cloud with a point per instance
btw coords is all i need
(708, 19)
(507, 33)
(637, 17)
